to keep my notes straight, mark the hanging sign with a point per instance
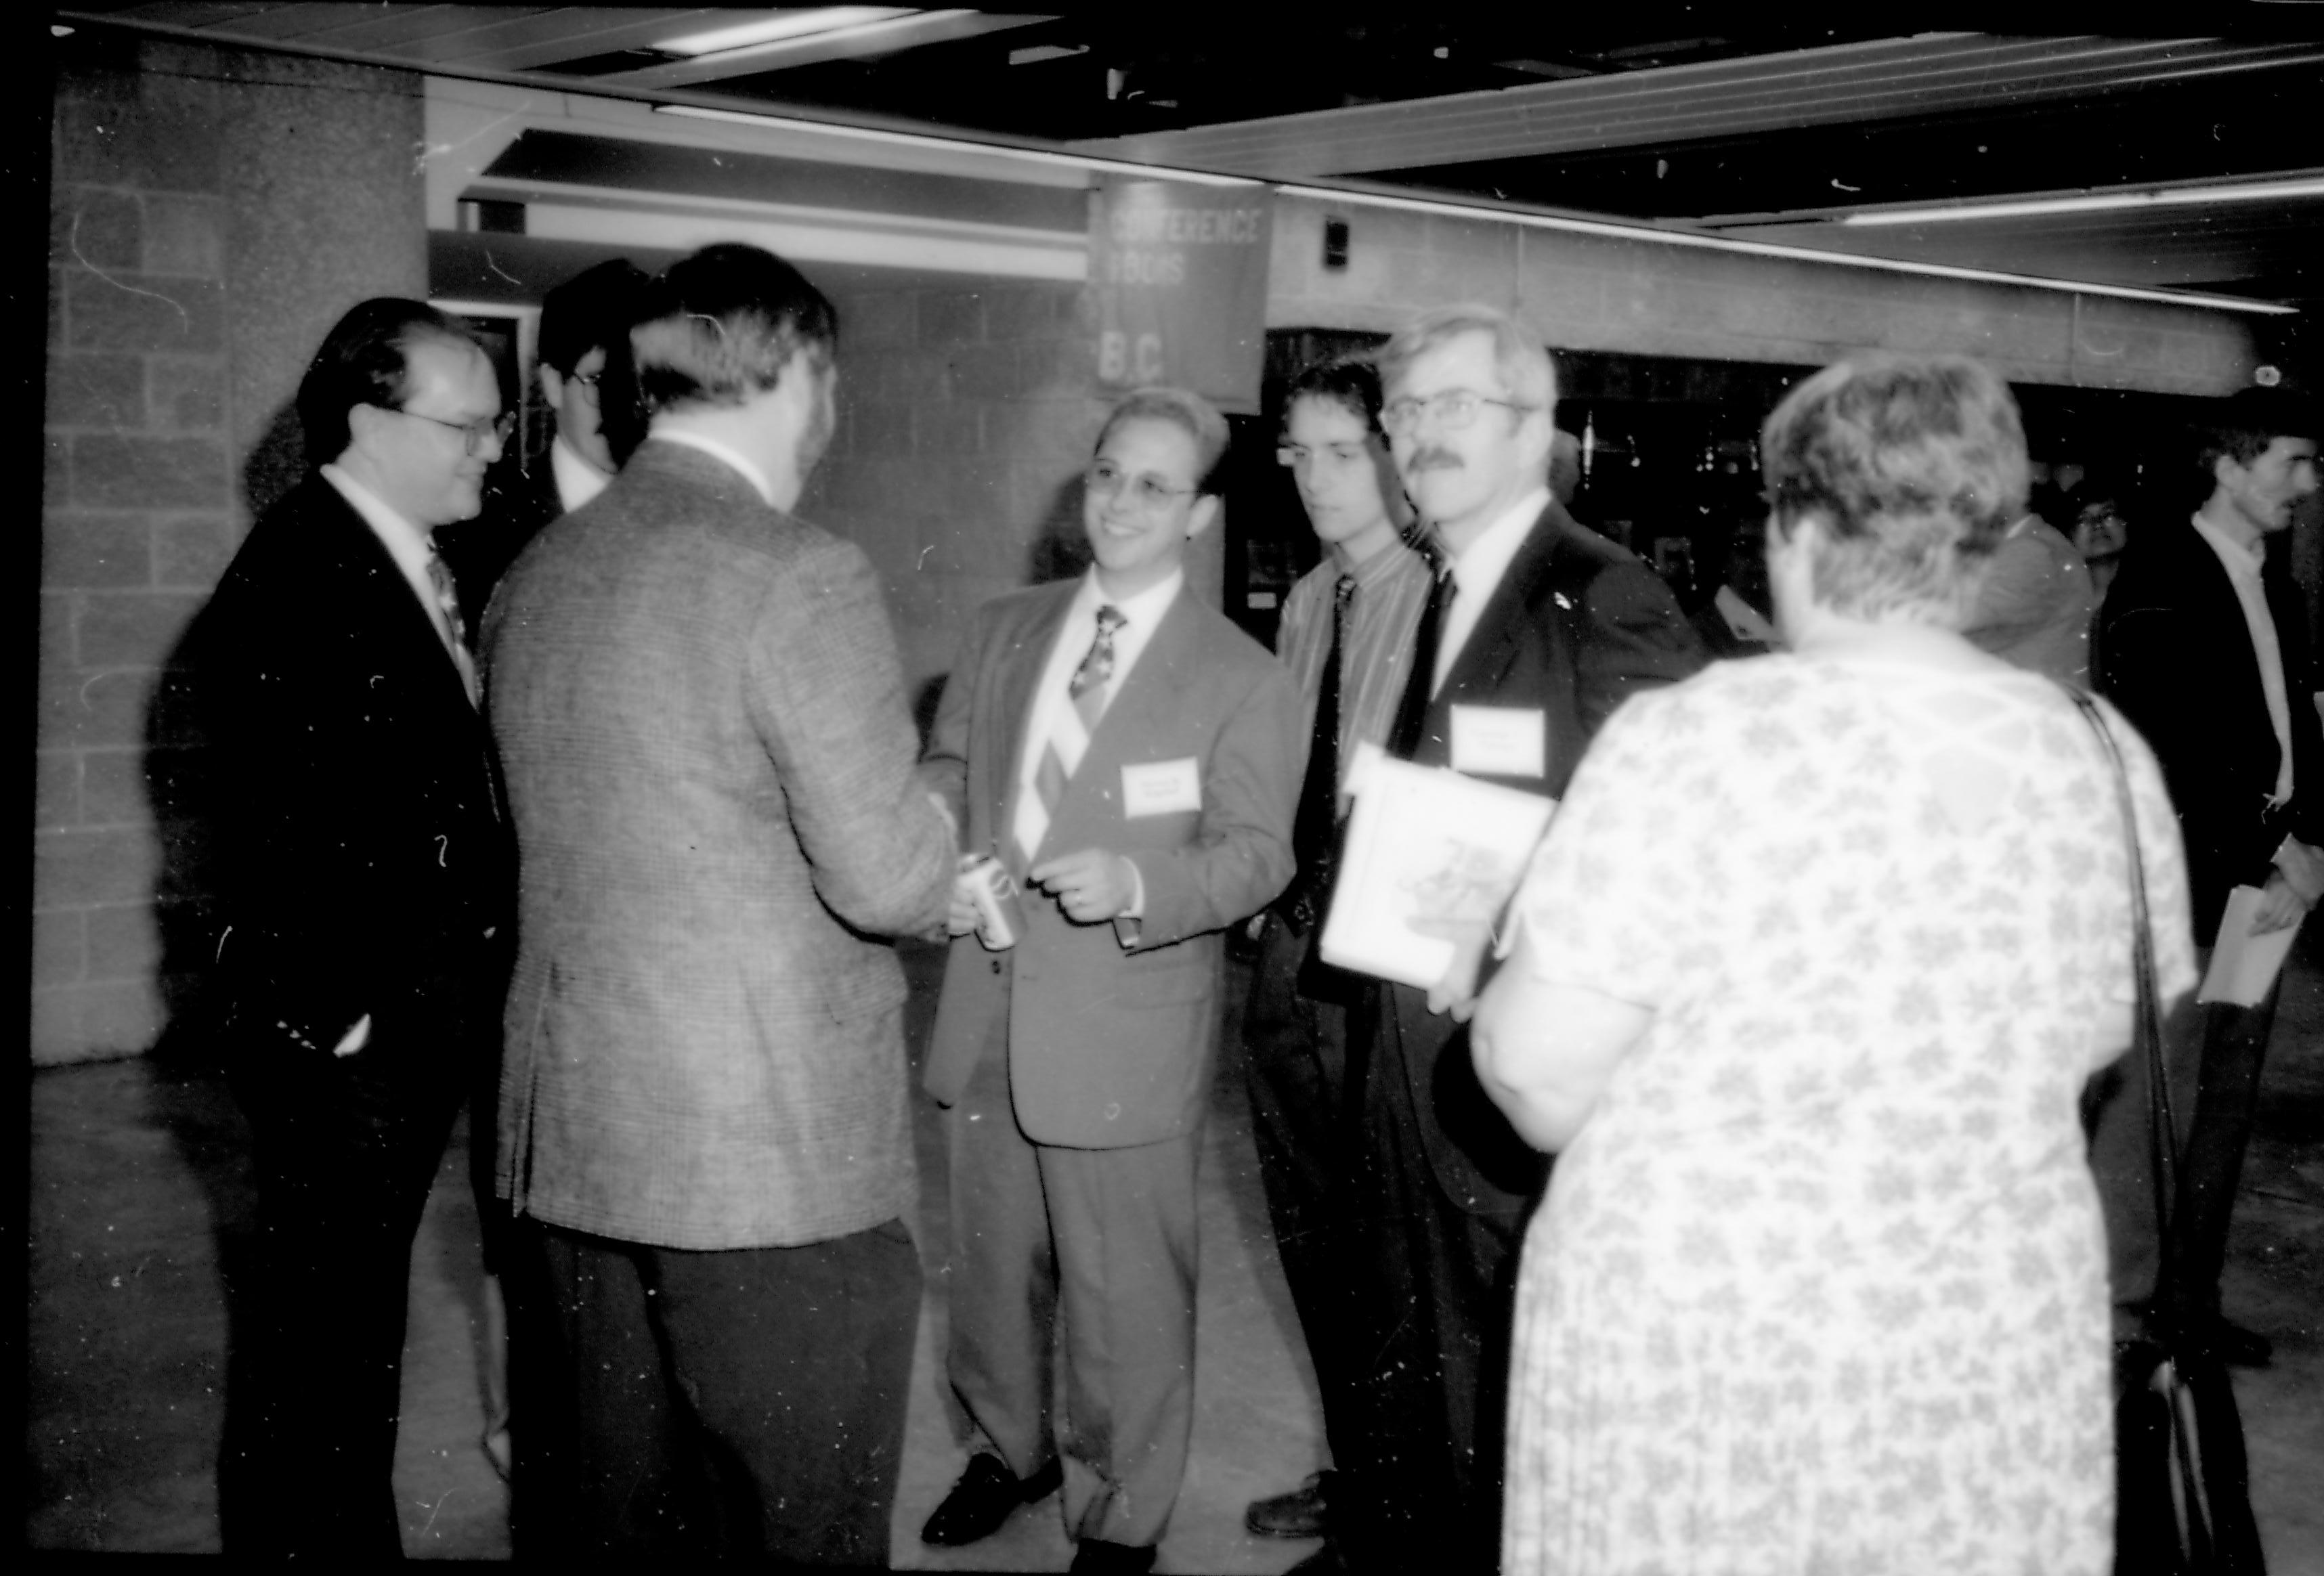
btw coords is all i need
(1178, 272)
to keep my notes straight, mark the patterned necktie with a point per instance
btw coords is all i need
(1312, 828)
(1412, 709)
(448, 600)
(1069, 737)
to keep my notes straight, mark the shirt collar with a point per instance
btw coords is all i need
(1479, 568)
(1144, 609)
(2234, 554)
(719, 451)
(1381, 566)
(410, 546)
(577, 481)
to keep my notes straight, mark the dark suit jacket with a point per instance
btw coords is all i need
(479, 551)
(1575, 627)
(1112, 1045)
(2179, 663)
(363, 865)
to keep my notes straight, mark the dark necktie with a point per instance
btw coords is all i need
(1314, 829)
(1412, 709)
(448, 599)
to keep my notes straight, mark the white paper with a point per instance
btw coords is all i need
(1501, 741)
(1424, 843)
(1162, 788)
(2244, 965)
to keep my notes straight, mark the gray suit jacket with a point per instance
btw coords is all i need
(709, 759)
(1111, 1047)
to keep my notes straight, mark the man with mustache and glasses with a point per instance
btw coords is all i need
(1535, 631)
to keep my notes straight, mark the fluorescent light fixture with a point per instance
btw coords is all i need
(2095, 203)
(781, 27)
(953, 145)
(1510, 215)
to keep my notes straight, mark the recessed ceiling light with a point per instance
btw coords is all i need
(777, 26)
(2096, 202)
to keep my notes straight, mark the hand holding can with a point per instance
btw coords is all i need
(999, 909)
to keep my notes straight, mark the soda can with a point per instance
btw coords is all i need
(999, 909)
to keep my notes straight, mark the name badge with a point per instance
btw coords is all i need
(1162, 788)
(1500, 741)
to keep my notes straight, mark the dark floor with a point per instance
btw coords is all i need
(141, 1205)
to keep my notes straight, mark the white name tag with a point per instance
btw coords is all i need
(1500, 741)
(1162, 788)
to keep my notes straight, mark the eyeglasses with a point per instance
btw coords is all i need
(1453, 408)
(478, 432)
(1105, 479)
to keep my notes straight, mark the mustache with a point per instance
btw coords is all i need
(1433, 459)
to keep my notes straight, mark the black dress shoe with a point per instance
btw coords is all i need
(1296, 1514)
(2238, 1347)
(984, 1498)
(1096, 1557)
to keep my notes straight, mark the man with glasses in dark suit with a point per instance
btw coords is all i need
(366, 888)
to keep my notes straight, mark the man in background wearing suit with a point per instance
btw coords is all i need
(590, 387)
(366, 881)
(1536, 631)
(1347, 638)
(704, 1118)
(1132, 757)
(2207, 653)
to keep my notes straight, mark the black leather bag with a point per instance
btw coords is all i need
(2182, 1503)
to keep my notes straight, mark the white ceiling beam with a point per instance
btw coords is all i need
(1936, 73)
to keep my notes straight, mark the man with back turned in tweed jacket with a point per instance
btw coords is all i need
(702, 1120)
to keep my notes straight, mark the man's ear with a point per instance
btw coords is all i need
(1205, 513)
(552, 385)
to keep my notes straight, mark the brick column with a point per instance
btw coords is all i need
(208, 208)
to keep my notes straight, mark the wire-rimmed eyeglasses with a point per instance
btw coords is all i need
(1453, 408)
(476, 433)
(1104, 479)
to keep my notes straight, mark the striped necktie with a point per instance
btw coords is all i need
(455, 628)
(1069, 736)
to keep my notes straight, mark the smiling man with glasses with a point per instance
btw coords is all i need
(1534, 633)
(1129, 757)
(365, 892)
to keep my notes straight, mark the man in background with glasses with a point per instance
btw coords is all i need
(1534, 633)
(588, 382)
(1347, 638)
(365, 881)
(1128, 756)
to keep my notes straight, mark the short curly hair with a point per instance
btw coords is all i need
(1916, 468)
(720, 326)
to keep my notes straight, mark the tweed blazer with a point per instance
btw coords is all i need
(701, 723)
(362, 862)
(1576, 626)
(1112, 1045)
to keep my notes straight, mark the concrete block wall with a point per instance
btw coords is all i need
(1587, 292)
(212, 212)
(965, 415)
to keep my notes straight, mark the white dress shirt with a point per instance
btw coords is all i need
(577, 481)
(717, 450)
(1141, 615)
(1476, 574)
(409, 547)
(2243, 565)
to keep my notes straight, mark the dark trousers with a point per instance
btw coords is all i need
(746, 1403)
(1296, 1067)
(1424, 1475)
(346, 1150)
(2213, 1055)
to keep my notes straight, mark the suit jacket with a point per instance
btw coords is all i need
(479, 551)
(709, 761)
(1576, 626)
(364, 866)
(1110, 1045)
(2179, 663)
